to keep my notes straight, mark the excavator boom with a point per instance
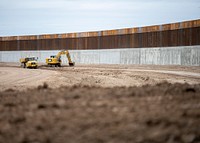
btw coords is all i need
(69, 58)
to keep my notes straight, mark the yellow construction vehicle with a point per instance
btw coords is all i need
(29, 62)
(55, 60)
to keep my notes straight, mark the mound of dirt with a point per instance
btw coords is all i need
(164, 113)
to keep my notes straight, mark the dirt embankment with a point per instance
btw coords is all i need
(164, 113)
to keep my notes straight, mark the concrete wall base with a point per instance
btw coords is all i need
(188, 55)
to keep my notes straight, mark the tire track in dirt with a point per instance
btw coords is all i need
(179, 73)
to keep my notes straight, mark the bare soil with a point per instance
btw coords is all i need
(100, 103)
(15, 77)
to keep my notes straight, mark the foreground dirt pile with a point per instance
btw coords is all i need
(164, 113)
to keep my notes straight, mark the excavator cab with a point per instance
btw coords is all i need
(53, 61)
(54, 56)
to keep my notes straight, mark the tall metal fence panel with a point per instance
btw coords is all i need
(167, 35)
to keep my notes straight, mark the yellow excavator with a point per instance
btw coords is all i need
(55, 60)
(29, 62)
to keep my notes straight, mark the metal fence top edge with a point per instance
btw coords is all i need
(124, 31)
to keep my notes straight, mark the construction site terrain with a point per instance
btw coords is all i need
(99, 103)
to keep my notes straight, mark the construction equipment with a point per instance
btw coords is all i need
(29, 62)
(55, 60)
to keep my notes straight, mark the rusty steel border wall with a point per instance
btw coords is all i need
(167, 35)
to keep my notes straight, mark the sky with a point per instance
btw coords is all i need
(35, 17)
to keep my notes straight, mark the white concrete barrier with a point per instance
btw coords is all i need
(188, 55)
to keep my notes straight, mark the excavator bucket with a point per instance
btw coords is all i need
(71, 64)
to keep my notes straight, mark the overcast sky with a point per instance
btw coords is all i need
(33, 17)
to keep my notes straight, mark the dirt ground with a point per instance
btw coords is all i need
(17, 78)
(100, 103)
